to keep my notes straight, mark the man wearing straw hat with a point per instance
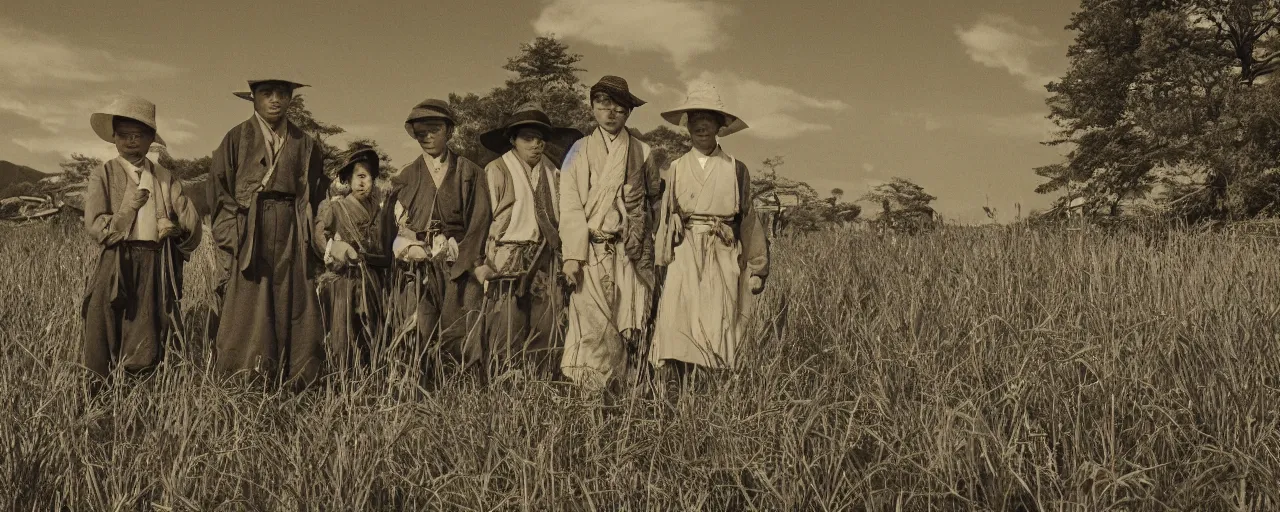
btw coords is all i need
(711, 242)
(135, 210)
(607, 192)
(441, 208)
(522, 264)
(266, 180)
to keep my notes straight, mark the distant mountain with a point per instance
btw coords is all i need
(12, 174)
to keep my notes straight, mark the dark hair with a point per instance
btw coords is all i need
(273, 83)
(713, 114)
(514, 131)
(116, 120)
(603, 95)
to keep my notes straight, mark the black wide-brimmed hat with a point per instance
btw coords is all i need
(367, 155)
(529, 115)
(248, 95)
(616, 87)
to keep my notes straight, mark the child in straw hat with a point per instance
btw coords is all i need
(136, 211)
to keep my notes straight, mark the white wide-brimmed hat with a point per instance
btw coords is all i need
(704, 96)
(132, 107)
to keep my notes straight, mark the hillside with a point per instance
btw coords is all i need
(11, 173)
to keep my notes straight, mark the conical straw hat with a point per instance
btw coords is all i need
(704, 96)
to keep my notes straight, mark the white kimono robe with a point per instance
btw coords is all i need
(612, 298)
(704, 308)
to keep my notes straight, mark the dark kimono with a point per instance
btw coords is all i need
(353, 295)
(524, 321)
(131, 299)
(270, 321)
(442, 301)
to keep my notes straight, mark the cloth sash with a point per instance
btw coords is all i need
(608, 171)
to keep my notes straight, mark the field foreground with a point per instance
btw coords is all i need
(968, 369)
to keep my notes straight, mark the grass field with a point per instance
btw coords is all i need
(992, 369)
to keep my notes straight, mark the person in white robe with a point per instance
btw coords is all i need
(711, 242)
(608, 191)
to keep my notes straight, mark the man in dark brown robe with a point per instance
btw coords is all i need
(440, 204)
(267, 178)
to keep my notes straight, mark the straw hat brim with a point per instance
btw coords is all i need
(497, 141)
(363, 155)
(101, 124)
(680, 117)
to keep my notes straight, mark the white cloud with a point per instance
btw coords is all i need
(868, 167)
(930, 122)
(998, 41)
(1030, 125)
(63, 145)
(681, 29)
(29, 59)
(769, 110)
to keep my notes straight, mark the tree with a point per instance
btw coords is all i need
(1156, 87)
(904, 206)
(77, 167)
(667, 144)
(301, 116)
(544, 72)
(188, 169)
(836, 194)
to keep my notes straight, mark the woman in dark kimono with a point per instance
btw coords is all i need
(356, 260)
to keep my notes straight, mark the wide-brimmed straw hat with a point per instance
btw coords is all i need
(132, 107)
(429, 109)
(704, 96)
(616, 87)
(530, 115)
(367, 155)
(248, 95)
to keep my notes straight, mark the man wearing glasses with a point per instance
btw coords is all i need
(440, 205)
(608, 187)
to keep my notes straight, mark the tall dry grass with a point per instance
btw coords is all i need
(960, 370)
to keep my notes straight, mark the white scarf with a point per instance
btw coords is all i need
(523, 226)
(144, 225)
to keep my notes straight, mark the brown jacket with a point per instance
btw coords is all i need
(109, 224)
(235, 175)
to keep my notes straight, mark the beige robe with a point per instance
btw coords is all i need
(612, 299)
(702, 314)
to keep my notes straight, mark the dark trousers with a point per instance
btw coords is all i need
(124, 319)
(270, 323)
(525, 328)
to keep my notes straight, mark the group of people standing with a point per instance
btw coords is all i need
(517, 264)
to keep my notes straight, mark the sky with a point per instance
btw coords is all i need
(851, 93)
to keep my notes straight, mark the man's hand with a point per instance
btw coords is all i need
(137, 200)
(415, 254)
(165, 228)
(757, 285)
(573, 272)
(484, 273)
(343, 253)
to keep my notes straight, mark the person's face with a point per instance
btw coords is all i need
(703, 127)
(271, 100)
(609, 115)
(529, 145)
(361, 181)
(433, 135)
(133, 139)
